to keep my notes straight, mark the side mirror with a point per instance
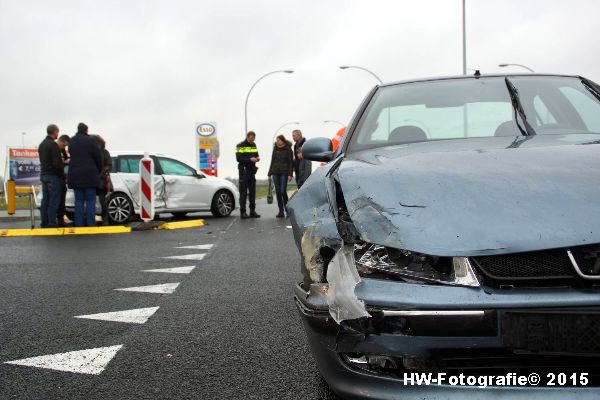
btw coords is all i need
(318, 149)
(200, 175)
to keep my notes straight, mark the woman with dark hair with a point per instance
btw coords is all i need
(105, 183)
(84, 175)
(281, 171)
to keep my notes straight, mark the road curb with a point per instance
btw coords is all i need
(18, 219)
(98, 230)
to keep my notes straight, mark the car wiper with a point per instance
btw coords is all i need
(591, 87)
(516, 103)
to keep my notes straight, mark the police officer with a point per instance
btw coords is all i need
(246, 154)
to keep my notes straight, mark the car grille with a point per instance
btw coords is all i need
(588, 260)
(547, 264)
(499, 361)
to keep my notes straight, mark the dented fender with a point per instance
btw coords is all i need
(314, 216)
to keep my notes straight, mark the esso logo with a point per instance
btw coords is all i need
(205, 130)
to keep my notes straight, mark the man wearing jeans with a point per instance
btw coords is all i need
(84, 175)
(52, 177)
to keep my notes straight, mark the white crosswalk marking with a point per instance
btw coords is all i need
(199, 256)
(197, 247)
(89, 361)
(161, 288)
(136, 316)
(176, 270)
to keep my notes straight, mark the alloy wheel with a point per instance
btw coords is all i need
(119, 209)
(225, 204)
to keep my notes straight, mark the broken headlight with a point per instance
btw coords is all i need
(379, 261)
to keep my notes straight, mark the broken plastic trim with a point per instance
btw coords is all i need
(317, 254)
(343, 278)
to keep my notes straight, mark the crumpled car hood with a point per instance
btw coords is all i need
(438, 199)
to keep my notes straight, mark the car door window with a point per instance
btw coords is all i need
(114, 163)
(130, 164)
(174, 167)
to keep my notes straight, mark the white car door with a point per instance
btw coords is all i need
(185, 189)
(128, 173)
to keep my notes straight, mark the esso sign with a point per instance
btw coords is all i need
(205, 130)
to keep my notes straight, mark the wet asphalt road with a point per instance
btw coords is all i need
(230, 330)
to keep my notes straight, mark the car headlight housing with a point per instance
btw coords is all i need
(379, 261)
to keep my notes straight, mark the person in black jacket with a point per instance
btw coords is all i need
(246, 154)
(281, 169)
(84, 175)
(52, 177)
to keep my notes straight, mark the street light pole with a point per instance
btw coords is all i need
(364, 69)
(335, 122)
(516, 65)
(23, 139)
(287, 71)
(281, 127)
(464, 38)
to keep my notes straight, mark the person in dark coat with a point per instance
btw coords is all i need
(298, 142)
(246, 155)
(304, 168)
(84, 175)
(282, 171)
(105, 183)
(52, 177)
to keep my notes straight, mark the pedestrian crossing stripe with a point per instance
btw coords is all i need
(164, 288)
(197, 257)
(135, 316)
(88, 361)
(176, 270)
(197, 247)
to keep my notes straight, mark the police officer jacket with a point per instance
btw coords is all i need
(244, 151)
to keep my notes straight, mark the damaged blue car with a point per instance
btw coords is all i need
(456, 231)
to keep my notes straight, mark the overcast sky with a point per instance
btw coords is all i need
(142, 73)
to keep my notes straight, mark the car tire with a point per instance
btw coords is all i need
(179, 214)
(70, 216)
(222, 203)
(120, 209)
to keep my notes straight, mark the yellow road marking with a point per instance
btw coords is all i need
(97, 230)
(181, 224)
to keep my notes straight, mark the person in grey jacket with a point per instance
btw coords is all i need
(304, 168)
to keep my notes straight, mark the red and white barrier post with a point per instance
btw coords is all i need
(147, 188)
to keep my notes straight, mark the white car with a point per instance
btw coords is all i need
(178, 189)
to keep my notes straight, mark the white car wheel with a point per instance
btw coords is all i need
(222, 204)
(120, 209)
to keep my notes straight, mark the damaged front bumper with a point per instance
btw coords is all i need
(454, 330)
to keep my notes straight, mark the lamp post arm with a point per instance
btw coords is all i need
(248, 96)
(370, 72)
(517, 65)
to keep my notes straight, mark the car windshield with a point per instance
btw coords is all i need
(467, 108)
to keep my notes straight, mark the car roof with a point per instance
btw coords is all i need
(442, 78)
(135, 153)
